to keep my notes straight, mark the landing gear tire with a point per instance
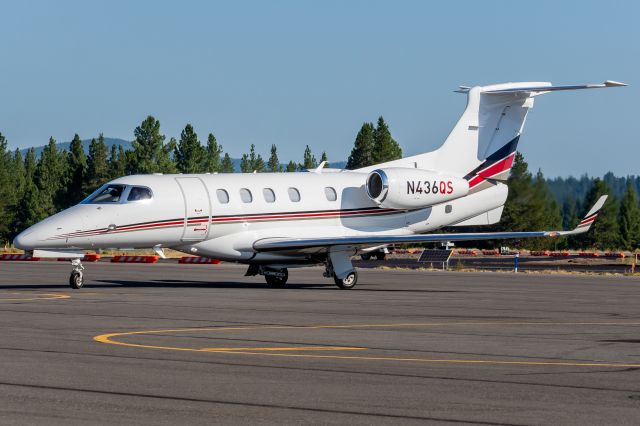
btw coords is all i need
(76, 280)
(381, 255)
(365, 256)
(277, 281)
(348, 282)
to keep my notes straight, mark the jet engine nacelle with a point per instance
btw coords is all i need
(404, 188)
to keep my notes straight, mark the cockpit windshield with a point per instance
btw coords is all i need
(119, 194)
(107, 194)
(139, 193)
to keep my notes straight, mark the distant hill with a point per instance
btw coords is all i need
(85, 144)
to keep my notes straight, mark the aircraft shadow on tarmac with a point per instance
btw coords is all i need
(215, 285)
(257, 285)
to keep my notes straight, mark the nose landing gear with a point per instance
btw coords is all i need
(76, 279)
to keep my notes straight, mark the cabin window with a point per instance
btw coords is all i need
(330, 193)
(269, 195)
(223, 196)
(245, 195)
(139, 193)
(294, 195)
(107, 194)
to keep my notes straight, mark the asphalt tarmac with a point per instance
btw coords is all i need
(171, 344)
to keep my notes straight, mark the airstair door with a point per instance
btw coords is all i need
(197, 208)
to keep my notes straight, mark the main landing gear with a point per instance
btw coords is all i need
(275, 277)
(348, 282)
(339, 268)
(76, 279)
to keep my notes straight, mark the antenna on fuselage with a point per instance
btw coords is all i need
(320, 167)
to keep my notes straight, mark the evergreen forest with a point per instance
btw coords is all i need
(36, 183)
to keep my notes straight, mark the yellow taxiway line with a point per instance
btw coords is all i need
(47, 296)
(275, 351)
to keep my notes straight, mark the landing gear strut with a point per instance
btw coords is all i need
(76, 279)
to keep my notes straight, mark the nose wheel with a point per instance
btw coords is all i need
(76, 279)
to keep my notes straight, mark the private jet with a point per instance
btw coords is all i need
(276, 221)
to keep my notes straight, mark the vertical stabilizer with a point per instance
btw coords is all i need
(482, 144)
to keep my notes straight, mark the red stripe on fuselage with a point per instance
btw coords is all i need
(230, 219)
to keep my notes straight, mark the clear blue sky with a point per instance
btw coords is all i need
(310, 72)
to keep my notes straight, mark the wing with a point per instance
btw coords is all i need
(283, 244)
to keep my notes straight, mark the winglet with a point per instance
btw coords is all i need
(611, 83)
(588, 220)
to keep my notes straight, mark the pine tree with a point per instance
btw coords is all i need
(76, 169)
(245, 164)
(570, 220)
(546, 213)
(362, 152)
(30, 209)
(212, 161)
(252, 162)
(515, 215)
(166, 161)
(529, 205)
(273, 165)
(117, 162)
(385, 148)
(189, 154)
(323, 157)
(50, 177)
(98, 172)
(19, 180)
(30, 165)
(149, 153)
(308, 160)
(630, 218)
(19, 174)
(291, 166)
(605, 232)
(227, 164)
(7, 190)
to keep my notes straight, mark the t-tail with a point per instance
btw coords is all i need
(482, 145)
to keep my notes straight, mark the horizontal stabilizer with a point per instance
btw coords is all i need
(544, 88)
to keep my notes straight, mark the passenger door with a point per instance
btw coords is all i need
(197, 208)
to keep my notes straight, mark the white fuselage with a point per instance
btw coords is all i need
(191, 213)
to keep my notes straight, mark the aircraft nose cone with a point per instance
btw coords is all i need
(52, 232)
(25, 240)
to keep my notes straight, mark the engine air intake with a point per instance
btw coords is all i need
(377, 185)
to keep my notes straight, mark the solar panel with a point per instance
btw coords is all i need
(435, 256)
